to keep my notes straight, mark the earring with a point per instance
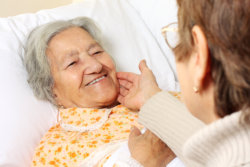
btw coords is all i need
(196, 89)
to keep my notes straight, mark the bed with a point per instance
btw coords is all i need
(132, 32)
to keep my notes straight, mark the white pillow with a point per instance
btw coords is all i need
(23, 119)
(157, 14)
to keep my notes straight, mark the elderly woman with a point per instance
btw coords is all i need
(213, 67)
(68, 67)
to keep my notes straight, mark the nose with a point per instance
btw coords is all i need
(93, 66)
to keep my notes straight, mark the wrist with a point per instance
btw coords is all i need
(168, 160)
(160, 161)
(153, 92)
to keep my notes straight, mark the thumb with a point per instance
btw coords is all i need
(134, 132)
(143, 66)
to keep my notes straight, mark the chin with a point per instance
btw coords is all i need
(109, 98)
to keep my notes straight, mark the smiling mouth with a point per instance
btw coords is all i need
(96, 80)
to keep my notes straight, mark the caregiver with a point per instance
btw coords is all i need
(213, 67)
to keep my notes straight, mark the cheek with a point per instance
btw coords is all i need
(180, 73)
(111, 65)
(68, 81)
(183, 80)
(108, 61)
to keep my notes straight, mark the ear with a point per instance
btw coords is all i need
(200, 57)
(56, 97)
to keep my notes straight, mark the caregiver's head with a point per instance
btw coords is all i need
(67, 66)
(213, 57)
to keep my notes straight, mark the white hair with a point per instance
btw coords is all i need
(35, 58)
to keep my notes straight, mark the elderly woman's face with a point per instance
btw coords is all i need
(84, 74)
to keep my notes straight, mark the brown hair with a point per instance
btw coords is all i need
(226, 24)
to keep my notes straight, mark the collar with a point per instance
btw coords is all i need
(226, 142)
(83, 119)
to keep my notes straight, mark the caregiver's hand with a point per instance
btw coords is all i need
(136, 89)
(148, 149)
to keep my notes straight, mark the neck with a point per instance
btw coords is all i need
(208, 113)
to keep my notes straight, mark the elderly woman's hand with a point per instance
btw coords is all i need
(136, 89)
(148, 149)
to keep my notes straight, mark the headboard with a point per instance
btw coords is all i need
(14, 7)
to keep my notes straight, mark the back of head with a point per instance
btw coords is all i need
(35, 59)
(226, 24)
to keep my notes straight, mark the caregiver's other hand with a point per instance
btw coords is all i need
(136, 89)
(148, 149)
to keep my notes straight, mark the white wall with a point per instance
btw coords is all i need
(14, 7)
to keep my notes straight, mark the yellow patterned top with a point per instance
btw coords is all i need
(80, 132)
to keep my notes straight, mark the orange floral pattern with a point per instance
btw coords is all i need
(176, 94)
(69, 148)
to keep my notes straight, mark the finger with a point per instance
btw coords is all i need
(167, 155)
(126, 84)
(134, 132)
(120, 99)
(143, 66)
(129, 76)
(148, 132)
(132, 140)
(124, 92)
(151, 136)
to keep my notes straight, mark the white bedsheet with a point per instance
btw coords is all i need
(123, 152)
(120, 155)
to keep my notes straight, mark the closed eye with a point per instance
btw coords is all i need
(72, 63)
(98, 52)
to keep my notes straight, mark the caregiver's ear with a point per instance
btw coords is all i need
(200, 56)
